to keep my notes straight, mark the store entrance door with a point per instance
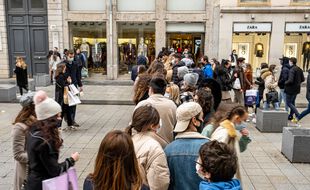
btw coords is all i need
(194, 42)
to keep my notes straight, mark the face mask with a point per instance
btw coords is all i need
(240, 126)
(200, 125)
(173, 62)
(275, 71)
(199, 172)
(160, 124)
(70, 59)
(59, 123)
(167, 95)
(291, 64)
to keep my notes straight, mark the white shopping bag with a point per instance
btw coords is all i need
(237, 84)
(251, 92)
(73, 99)
(73, 89)
(66, 181)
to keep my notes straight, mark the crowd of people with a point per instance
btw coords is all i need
(187, 130)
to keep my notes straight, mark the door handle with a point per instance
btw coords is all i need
(38, 57)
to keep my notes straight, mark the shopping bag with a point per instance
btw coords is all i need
(250, 97)
(272, 96)
(73, 89)
(66, 181)
(84, 72)
(66, 90)
(237, 84)
(73, 99)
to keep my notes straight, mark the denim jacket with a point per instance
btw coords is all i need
(182, 155)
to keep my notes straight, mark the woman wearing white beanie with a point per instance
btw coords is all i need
(44, 142)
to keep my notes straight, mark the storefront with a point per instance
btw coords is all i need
(297, 43)
(189, 36)
(134, 39)
(252, 41)
(90, 38)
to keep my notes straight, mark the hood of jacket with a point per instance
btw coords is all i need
(266, 74)
(230, 128)
(231, 185)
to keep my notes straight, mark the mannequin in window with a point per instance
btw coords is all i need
(130, 54)
(142, 48)
(233, 57)
(259, 50)
(85, 50)
(306, 53)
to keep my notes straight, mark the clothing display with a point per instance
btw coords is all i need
(306, 54)
(142, 48)
(259, 50)
(130, 53)
(85, 49)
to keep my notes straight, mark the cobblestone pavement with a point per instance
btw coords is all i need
(263, 165)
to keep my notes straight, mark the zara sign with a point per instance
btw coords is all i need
(297, 27)
(252, 27)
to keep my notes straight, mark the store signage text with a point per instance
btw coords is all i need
(304, 27)
(252, 27)
(297, 27)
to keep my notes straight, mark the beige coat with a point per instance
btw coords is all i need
(270, 83)
(153, 161)
(19, 134)
(167, 111)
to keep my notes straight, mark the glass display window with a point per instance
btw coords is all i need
(134, 39)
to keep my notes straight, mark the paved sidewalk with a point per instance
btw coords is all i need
(263, 165)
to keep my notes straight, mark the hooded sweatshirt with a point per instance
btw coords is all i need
(234, 184)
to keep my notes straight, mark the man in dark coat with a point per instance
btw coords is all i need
(238, 76)
(176, 63)
(72, 71)
(282, 79)
(292, 86)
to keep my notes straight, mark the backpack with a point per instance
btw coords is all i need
(207, 71)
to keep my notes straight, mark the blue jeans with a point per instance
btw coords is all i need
(283, 97)
(290, 100)
(305, 112)
(275, 105)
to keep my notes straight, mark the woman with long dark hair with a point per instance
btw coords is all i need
(21, 75)
(44, 142)
(116, 165)
(148, 147)
(24, 120)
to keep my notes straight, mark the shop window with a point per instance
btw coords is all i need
(37, 4)
(88, 5)
(185, 5)
(136, 5)
(16, 4)
(301, 1)
(134, 40)
(90, 38)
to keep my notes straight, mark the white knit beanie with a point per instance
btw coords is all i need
(45, 107)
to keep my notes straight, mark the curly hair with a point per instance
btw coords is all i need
(205, 100)
(50, 132)
(142, 87)
(219, 160)
(156, 67)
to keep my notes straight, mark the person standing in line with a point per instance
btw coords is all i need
(182, 153)
(292, 87)
(24, 120)
(238, 81)
(21, 75)
(72, 71)
(307, 111)
(285, 70)
(271, 84)
(207, 68)
(53, 61)
(116, 165)
(149, 147)
(261, 85)
(44, 142)
(176, 63)
(225, 80)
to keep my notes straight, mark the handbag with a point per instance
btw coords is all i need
(66, 90)
(250, 97)
(73, 99)
(73, 89)
(237, 84)
(272, 96)
(66, 181)
(84, 72)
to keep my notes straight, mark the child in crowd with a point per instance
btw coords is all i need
(217, 165)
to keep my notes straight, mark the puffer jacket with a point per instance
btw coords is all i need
(293, 83)
(261, 83)
(153, 161)
(270, 83)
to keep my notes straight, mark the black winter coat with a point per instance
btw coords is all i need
(61, 82)
(283, 76)
(74, 72)
(296, 77)
(43, 160)
(308, 86)
(21, 76)
(261, 83)
(175, 77)
(224, 79)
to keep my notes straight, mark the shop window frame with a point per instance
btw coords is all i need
(135, 11)
(299, 3)
(189, 11)
(257, 3)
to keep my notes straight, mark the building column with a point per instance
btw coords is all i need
(4, 54)
(212, 29)
(112, 45)
(276, 42)
(55, 24)
(225, 37)
(160, 25)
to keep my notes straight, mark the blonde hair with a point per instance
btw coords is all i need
(20, 62)
(175, 93)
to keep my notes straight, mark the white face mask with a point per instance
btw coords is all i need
(173, 61)
(199, 172)
(291, 64)
(167, 95)
(160, 124)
